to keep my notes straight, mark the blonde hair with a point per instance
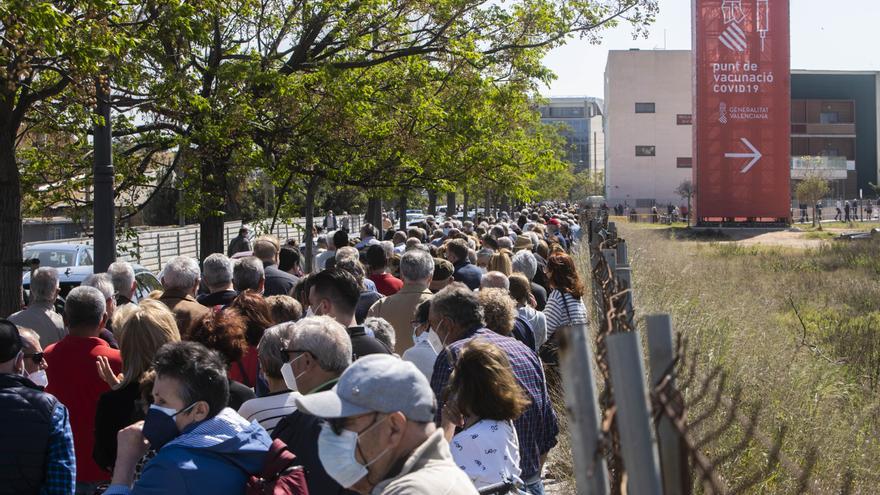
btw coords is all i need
(142, 331)
(500, 262)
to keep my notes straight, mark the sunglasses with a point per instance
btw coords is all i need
(36, 357)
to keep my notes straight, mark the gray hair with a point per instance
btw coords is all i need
(102, 282)
(275, 339)
(325, 339)
(346, 252)
(460, 304)
(122, 275)
(382, 331)
(504, 242)
(182, 272)
(494, 280)
(525, 262)
(217, 270)
(44, 283)
(416, 264)
(84, 305)
(247, 273)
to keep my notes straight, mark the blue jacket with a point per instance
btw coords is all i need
(209, 457)
(468, 274)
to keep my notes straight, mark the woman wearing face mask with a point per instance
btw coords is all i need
(424, 352)
(202, 446)
(482, 400)
(142, 331)
(278, 372)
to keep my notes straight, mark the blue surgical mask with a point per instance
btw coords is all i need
(159, 425)
(337, 455)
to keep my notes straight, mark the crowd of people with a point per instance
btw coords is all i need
(407, 362)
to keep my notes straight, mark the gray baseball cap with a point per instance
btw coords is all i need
(375, 383)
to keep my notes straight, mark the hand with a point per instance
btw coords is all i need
(106, 372)
(131, 446)
(532, 302)
(451, 415)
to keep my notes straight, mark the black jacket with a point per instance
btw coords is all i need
(362, 344)
(278, 283)
(239, 393)
(468, 274)
(540, 296)
(26, 413)
(223, 298)
(116, 410)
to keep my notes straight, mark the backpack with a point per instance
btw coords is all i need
(278, 476)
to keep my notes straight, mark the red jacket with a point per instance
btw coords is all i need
(74, 380)
(386, 284)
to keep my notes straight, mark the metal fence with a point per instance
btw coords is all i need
(152, 247)
(651, 432)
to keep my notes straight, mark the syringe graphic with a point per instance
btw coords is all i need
(763, 19)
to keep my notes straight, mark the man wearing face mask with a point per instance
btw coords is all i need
(34, 361)
(379, 436)
(37, 433)
(457, 317)
(202, 446)
(317, 352)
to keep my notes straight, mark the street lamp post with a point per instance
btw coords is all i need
(105, 230)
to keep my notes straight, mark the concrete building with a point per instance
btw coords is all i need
(835, 127)
(647, 126)
(579, 115)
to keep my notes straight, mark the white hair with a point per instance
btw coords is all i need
(525, 262)
(382, 331)
(494, 280)
(44, 283)
(102, 282)
(388, 247)
(347, 252)
(182, 272)
(122, 275)
(325, 339)
(274, 340)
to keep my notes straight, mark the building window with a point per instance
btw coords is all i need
(684, 119)
(644, 150)
(684, 162)
(644, 107)
(829, 117)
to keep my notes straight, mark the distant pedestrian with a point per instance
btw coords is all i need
(869, 211)
(846, 209)
(839, 213)
(330, 221)
(240, 243)
(819, 212)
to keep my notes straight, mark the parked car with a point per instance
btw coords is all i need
(74, 263)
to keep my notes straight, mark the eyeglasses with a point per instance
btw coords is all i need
(36, 357)
(288, 352)
(338, 424)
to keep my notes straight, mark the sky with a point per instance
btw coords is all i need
(825, 34)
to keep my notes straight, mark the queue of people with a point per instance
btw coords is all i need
(411, 365)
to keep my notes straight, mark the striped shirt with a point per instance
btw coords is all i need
(269, 410)
(563, 309)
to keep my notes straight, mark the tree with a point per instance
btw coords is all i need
(687, 190)
(810, 191)
(51, 56)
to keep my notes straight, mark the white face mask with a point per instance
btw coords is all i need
(289, 377)
(337, 455)
(39, 378)
(309, 312)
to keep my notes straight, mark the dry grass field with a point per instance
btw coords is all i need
(795, 327)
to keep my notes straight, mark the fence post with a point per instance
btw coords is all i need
(138, 248)
(638, 446)
(198, 247)
(579, 385)
(227, 236)
(624, 282)
(622, 253)
(178, 243)
(159, 249)
(661, 353)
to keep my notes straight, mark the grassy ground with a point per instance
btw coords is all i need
(742, 308)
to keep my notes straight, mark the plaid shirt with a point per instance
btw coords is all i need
(60, 459)
(537, 427)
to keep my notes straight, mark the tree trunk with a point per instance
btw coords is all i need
(465, 206)
(432, 203)
(212, 210)
(10, 226)
(311, 189)
(403, 212)
(450, 204)
(103, 207)
(374, 214)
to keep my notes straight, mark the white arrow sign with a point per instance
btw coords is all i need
(755, 155)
